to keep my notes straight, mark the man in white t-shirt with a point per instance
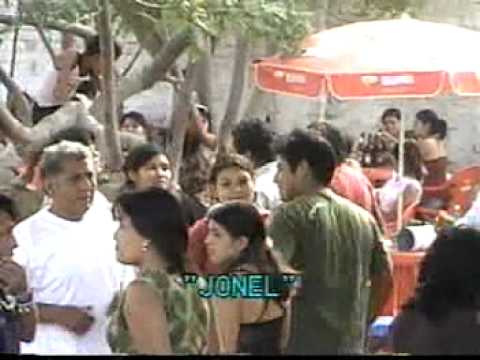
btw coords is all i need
(69, 257)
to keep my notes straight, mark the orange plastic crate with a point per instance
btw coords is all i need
(406, 266)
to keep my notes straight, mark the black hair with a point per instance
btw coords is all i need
(76, 134)
(92, 47)
(256, 137)
(138, 157)
(241, 219)
(413, 160)
(392, 112)
(135, 116)
(89, 88)
(157, 215)
(227, 161)
(7, 205)
(449, 273)
(302, 145)
(334, 136)
(437, 126)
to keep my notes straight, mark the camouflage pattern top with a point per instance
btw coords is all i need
(187, 314)
(336, 246)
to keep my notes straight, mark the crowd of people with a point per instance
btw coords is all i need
(86, 273)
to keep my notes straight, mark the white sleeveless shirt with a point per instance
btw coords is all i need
(44, 94)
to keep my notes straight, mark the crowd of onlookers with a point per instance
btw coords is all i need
(89, 271)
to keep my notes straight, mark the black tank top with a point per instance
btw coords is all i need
(260, 338)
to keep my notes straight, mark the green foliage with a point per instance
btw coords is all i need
(282, 21)
(348, 11)
(72, 11)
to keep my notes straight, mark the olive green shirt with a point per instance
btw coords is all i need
(336, 245)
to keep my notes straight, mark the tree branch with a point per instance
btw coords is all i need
(150, 74)
(47, 45)
(183, 105)
(18, 101)
(62, 26)
(237, 87)
(132, 62)
(145, 32)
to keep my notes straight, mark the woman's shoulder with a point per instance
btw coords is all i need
(429, 148)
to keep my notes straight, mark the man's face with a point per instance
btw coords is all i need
(7, 241)
(287, 181)
(72, 190)
(392, 125)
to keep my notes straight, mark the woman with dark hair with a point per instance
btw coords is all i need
(232, 178)
(156, 313)
(236, 242)
(198, 154)
(431, 132)
(409, 185)
(443, 316)
(146, 166)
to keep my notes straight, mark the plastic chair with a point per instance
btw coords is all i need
(458, 193)
(463, 189)
(378, 176)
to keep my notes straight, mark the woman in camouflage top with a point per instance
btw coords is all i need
(156, 313)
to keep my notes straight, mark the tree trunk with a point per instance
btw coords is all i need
(114, 151)
(18, 103)
(150, 74)
(320, 10)
(182, 108)
(31, 139)
(203, 86)
(16, 32)
(237, 87)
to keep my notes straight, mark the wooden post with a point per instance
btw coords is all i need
(112, 140)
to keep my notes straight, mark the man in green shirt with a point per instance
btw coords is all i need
(334, 243)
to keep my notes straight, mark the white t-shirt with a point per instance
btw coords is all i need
(70, 263)
(266, 186)
(389, 194)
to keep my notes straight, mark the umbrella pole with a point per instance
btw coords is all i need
(323, 101)
(401, 169)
